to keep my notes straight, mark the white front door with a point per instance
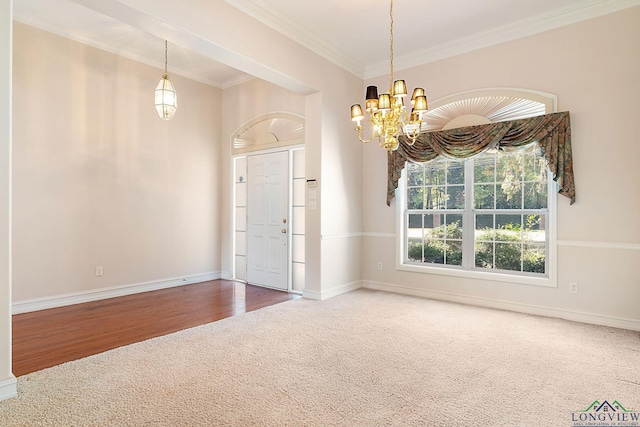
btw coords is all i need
(267, 219)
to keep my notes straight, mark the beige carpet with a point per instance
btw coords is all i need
(362, 359)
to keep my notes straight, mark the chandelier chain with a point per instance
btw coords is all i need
(165, 57)
(391, 46)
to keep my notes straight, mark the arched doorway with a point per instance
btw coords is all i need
(269, 202)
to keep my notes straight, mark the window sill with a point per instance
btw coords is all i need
(479, 275)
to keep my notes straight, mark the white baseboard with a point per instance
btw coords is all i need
(332, 292)
(311, 295)
(8, 388)
(577, 316)
(104, 293)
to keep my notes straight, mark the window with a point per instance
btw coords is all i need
(488, 214)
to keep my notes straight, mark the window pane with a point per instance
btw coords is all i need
(455, 173)
(415, 174)
(435, 197)
(509, 195)
(435, 173)
(434, 226)
(428, 221)
(456, 197)
(434, 252)
(415, 221)
(484, 255)
(434, 233)
(508, 228)
(534, 259)
(535, 166)
(414, 250)
(454, 226)
(484, 169)
(509, 175)
(454, 252)
(509, 166)
(453, 236)
(415, 198)
(483, 196)
(534, 229)
(509, 256)
(531, 167)
(535, 195)
(484, 228)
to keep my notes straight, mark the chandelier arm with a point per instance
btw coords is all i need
(414, 134)
(366, 141)
(411, 139)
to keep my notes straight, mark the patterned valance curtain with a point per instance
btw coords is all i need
(552, 132)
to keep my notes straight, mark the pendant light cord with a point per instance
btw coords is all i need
(165, 57)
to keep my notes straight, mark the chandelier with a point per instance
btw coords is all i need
(387, 112)
(166, 99)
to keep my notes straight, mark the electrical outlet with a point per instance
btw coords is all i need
(379, 266)
(98, 271)
(573, 288)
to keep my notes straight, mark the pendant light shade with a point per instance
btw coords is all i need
(166, 99)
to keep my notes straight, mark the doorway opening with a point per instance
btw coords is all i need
(269, 203)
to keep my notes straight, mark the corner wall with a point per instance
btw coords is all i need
(8, 387)
(593, 68)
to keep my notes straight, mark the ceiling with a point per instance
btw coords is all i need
(352, 33)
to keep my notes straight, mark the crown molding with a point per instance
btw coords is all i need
(237, 81)
(277, 21)
(567, 16)
(175, 71)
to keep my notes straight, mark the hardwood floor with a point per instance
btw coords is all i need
(46, 338)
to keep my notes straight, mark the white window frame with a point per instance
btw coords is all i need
(549, 280)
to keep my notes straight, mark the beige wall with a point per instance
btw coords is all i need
(593, 68)
(100, 180)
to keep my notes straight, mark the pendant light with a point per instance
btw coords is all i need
(166, 99)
